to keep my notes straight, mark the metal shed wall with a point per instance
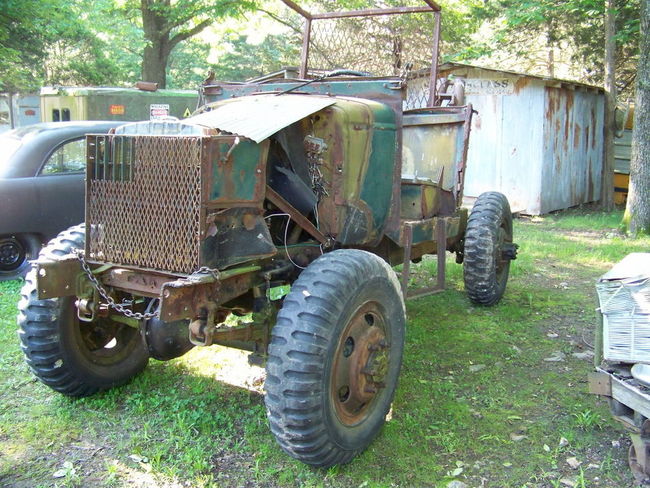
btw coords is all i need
(573, 148)
(539, 141)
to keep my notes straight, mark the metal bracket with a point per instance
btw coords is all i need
(600, 383)
(441, 249)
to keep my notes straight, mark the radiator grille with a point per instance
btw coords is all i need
(144, 200)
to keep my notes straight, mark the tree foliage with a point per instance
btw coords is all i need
(53, 42)
(539, 35)
(165, 24)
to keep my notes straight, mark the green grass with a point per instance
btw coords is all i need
(477, 402)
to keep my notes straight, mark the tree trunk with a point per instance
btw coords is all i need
(154, 64)
(607, 184)
(156, 36)
(637, 212)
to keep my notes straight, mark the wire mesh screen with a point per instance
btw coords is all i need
(381, 45)
(144, 202)
(417, 90)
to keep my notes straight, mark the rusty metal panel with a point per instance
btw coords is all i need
(538, 141)
(520, 151)
(573, 148)
(433, 141)
(260, 116)
(505, 148)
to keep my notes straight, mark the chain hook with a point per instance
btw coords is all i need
(118, 307)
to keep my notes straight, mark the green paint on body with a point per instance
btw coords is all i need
(237, 177)
(376, 189)
(353, 88)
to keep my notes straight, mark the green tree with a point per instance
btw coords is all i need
(24, 36)
(535, 32)
(166, 23)
(245, 60)
(637, 213)
(53, 42)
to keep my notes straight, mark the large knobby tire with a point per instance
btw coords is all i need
(73, 357)
(488, 249)
(334, 357)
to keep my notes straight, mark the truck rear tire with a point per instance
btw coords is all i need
(488, 241)
(334, 357)
(73, 357)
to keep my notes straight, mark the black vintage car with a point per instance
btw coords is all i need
(41, 187)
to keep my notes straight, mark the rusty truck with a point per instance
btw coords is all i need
(322, 183)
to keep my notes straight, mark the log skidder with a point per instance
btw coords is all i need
(317, 186)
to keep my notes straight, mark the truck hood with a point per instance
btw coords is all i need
(257, 117)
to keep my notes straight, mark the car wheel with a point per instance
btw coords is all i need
(334, 357)
(15, 254)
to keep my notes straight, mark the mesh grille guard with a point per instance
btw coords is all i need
(143, 201)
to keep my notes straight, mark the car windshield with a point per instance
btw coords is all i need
(11, 141)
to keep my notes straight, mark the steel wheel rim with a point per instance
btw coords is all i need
(360, 365)
(103, 342)
(501, 262)
(12, 254)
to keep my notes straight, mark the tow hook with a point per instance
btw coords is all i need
(509, 251)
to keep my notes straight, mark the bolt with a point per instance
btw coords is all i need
(368, 371)
(383, 344)
(370, 389)
(373, 347)
(380, 384)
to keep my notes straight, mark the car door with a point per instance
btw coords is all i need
(60, 187)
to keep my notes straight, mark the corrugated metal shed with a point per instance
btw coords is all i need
(537, 140)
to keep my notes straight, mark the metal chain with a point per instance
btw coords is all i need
(211, 271)
(119, 307)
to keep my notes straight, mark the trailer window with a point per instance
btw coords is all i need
(65, 115)
(56, 115)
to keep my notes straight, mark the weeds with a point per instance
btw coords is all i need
(471, 377)
(588, 420)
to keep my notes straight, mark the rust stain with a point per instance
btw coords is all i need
(576, 135)
(521, 83)
(567, 124)
(569, 99)
(593, 128)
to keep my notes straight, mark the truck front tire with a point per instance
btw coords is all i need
(334, 357)
(73, 357)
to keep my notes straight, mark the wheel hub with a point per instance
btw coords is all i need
(360, 365)
(11, 253)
